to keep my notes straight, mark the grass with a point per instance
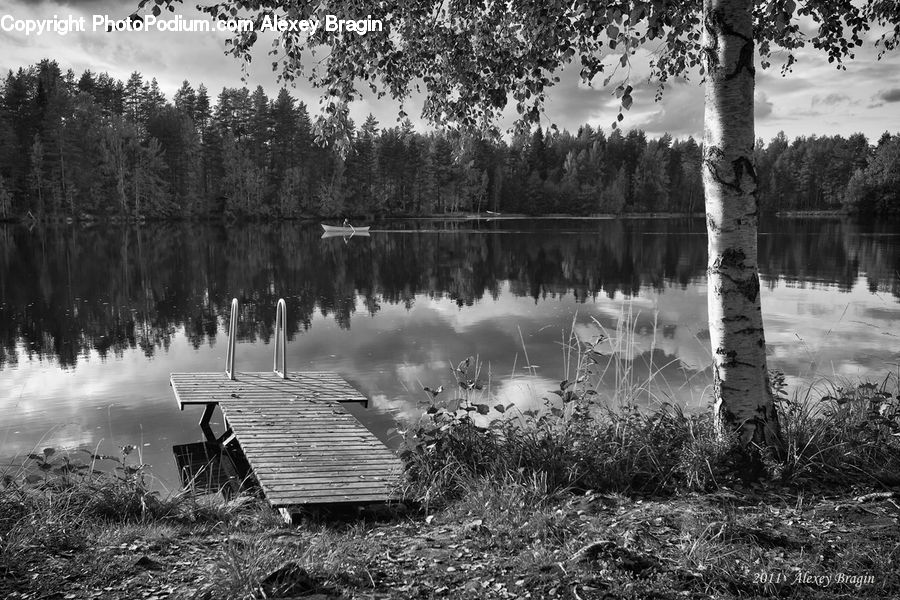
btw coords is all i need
(637, 442)
(848, 435)
(578, 499)
(843, 432)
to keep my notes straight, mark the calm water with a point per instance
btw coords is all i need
(93, 319)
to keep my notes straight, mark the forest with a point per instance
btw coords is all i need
(94, 147)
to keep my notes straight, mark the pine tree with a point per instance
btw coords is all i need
(133, 97)
(186, 100)
(145, 185)
(179, 147)
(52, 104)
(362, 164)
(537, 154)
(36, 176)
(651, 178)
(110, 94)
(113, 159)
(82, 134)
(615, 195)
(260, 128)
(87, 83)
(284, 131)
(202, 111)
(153, 101)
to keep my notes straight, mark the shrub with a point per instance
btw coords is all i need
(842, 433)
(847, 435)
(574, 442)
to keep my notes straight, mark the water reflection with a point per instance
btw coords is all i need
(93, 319)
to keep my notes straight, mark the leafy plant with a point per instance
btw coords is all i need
(576, 440)
(571, 441)
(845, 433)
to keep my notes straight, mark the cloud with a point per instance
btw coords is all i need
(108, 3)
(173, 57)
(571, 103)
(777, 84)
(830, 99)
(762, 106)
(680, 113)
(891, 95)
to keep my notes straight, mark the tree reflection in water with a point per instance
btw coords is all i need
(68, 290)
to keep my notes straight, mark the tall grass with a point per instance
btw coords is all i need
(54, 500)
(637, 441)
(841, 431)
(90, 485)
(578, 440)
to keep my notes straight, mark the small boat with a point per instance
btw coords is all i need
(344, 230)
(344, 234)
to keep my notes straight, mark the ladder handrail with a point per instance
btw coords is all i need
(232, 334)
(280, 338)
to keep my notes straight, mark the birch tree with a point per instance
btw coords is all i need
(470, 58)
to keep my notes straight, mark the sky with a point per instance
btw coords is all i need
(816, 99)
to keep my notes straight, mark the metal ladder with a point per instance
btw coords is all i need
(279, 366)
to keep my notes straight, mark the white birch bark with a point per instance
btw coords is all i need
(743, 399)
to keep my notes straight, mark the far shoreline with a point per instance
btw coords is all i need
(231, 219)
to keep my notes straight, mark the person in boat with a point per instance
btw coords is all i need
(346, 223)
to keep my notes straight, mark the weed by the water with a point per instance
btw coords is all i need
(572, 443)
(57, 502)
(841, 432)
(843, 435)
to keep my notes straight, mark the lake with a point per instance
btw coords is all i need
(94, 318)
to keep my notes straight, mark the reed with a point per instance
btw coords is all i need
(636, 439)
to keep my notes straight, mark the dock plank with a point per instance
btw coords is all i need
(303, 446)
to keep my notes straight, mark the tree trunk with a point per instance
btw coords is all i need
(744, 402)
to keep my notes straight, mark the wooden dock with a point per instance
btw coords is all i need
(301, 443)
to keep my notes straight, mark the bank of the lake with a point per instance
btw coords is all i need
(669, 515)
(101, 219)
(730, 544)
